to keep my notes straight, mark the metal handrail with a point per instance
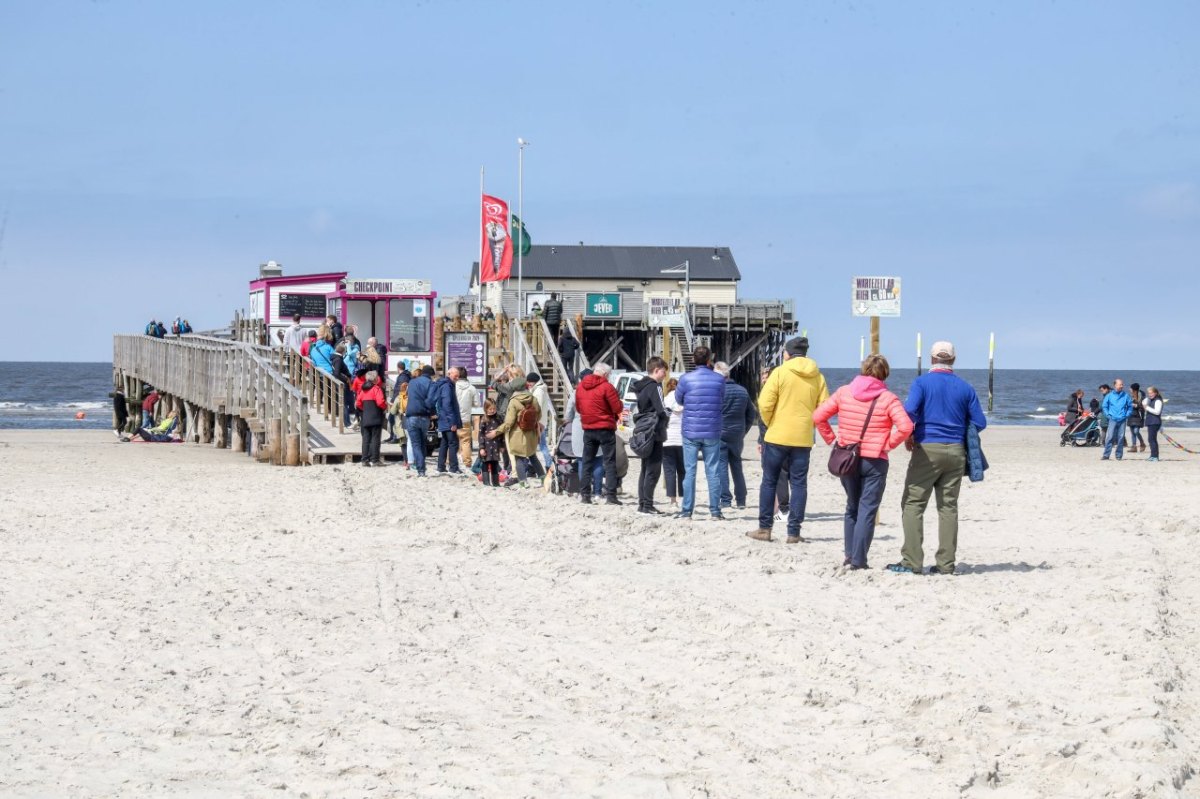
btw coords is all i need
(583, 359)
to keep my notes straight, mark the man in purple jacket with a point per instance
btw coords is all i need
(701, 392)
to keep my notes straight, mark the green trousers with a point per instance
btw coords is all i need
(935, 469)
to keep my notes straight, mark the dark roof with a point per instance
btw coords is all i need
(623, 263)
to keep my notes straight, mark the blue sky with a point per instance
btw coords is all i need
(1028, 168)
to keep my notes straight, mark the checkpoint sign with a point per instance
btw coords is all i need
(875, 296)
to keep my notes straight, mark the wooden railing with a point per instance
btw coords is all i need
(325, 394)
(583, 359)
(222, 386)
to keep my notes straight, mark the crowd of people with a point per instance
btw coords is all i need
(156, 329)
(1120, 411)
(679, 426)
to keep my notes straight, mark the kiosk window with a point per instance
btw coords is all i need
(409, 330)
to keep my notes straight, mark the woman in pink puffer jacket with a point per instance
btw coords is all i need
(887, 429)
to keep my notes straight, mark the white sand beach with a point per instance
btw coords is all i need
(182, 621)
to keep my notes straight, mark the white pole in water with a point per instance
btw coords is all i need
(991, 369)
(521, 143)
(918, 355)
(862, 348)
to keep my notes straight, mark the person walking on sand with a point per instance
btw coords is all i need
(941, 405)
(1075, 407)
(1154, 408)
(1117, 407)
(648, 391)
(449, 421)
(701, 392)
(372, 402)
(874, 418)
(520, 431)
(599, 408)
(737, 416)
(465, 394)
(1137, 418)
(120, 411)
(420, 405)
(786, 404)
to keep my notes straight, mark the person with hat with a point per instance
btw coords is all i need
(786, 404)
(941, 405)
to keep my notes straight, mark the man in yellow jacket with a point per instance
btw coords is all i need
(786, 404)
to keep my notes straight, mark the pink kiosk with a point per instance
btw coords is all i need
(396, 311)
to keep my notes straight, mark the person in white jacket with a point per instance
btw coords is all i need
(1153, 406)
(464, 392)
(673, 446)
(537, 387)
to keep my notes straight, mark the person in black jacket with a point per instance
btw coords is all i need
(649, 400)
(1074, 407)
(737, 417)
(552, 312)
(567, 349)
(342, 373)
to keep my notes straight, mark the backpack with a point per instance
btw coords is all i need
(645, 433)
(529, 417)
(175, 328)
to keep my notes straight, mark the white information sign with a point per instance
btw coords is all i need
(387, 286)
(665, 312)
(875, 296)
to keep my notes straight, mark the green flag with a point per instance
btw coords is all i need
(520, 235)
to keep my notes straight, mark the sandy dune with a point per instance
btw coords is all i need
(181, 621)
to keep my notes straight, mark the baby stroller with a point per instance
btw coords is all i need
(1083, 432)
(564, 472)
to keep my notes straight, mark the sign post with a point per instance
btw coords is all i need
(875, 297)
(467, 351)
(991, 368)
(918, 355)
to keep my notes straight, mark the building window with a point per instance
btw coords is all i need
(409, 331)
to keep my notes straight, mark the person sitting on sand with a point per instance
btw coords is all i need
(162, 434)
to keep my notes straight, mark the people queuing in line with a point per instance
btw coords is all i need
(371, 402)
(786, 404)
(701, 392)
(873, 419)
(737, 417)
(944, 408)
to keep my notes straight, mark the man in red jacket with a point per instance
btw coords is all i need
(599, 408)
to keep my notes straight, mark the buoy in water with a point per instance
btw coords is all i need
(81, 415)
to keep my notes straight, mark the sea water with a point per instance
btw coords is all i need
(49, 395)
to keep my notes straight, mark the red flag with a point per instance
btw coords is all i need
(497, 256)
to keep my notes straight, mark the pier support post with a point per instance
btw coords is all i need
(239, 434)
(221, 434)
(275, 440)
(292, 458)
(206, 427)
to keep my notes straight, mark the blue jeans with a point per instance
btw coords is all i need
(448, 452)
(597, 476)
(711, 449)
(147, 419)
(775, 459)
(1116, 433)
(864, 492)
(416, 427)
(545, 450)
(731, 463)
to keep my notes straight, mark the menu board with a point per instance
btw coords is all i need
(309, 306)
(468, 351)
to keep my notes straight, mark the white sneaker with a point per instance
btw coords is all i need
(781, 516)
(117, 433)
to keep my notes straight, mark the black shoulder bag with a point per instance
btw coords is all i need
(843, 461)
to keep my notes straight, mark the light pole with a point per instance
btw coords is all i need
(686, 269)
(521, 144)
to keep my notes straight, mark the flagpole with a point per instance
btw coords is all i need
(521, 213)
(479, 299)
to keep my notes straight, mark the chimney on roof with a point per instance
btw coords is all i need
(270, 269)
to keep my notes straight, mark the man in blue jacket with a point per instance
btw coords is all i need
(448, 420)
(941, 405)
(737, 416)
(1118, 407)
(421, 405)
(701, 393)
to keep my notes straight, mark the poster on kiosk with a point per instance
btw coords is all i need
(396, 312)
